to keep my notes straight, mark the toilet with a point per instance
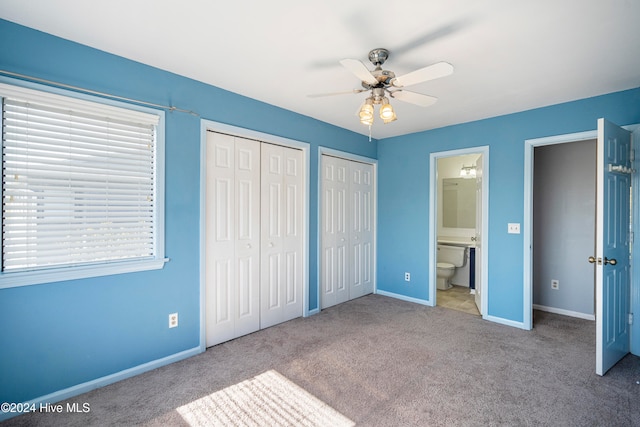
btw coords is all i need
(448, 259)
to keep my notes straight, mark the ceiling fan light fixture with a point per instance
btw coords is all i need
(391, 119)
(386, 112)
(366, 120)
(366, 112)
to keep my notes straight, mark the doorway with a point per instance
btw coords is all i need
(564, 222)
(530, 147)
(459, 221)
(616, 179)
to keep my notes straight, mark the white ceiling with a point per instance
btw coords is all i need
(509, 55)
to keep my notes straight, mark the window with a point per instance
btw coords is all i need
(81, 187)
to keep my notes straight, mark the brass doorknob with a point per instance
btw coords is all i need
(592, 259)
(611, 261)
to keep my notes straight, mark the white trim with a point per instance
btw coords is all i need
(355, 157)
(264, 137)
(634, 344)
(104, 381)
(564, 312)
(507, 322)
(35, 277)
(433, 222)
(403, 297)
(345, 155)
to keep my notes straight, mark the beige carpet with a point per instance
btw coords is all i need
(377, 361)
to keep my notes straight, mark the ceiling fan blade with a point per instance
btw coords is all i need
(414, 98)
(360, 70)
(320, 95)
(431, 72)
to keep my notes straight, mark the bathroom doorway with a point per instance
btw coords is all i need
(458, 222)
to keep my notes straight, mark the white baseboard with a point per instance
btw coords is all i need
(404, 297)
(503, 321)
(76, 390)
(564, 312)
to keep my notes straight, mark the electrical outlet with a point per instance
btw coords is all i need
(407, 277)
(513, 228)
(173, 320)
(555, 284)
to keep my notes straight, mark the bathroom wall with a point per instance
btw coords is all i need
(449, 167)
(564, 191)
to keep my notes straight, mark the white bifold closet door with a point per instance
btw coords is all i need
(253, 268)
(232, 237)
(346, 270)
(281, 235)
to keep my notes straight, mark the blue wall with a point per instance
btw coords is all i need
(403, 192)
(62, 334)
(58, 335)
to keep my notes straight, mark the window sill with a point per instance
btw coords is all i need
(11, 280)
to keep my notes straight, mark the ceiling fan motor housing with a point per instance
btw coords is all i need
(378, 56)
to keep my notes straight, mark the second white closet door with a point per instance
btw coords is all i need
(281, 234)
(346, 270)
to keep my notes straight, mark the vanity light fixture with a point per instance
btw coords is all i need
(468, 172)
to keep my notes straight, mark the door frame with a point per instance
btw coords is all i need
(209, 125)
(357, 158)
(433, 221)
(527, 226)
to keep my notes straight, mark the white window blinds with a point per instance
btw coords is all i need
(79, 182)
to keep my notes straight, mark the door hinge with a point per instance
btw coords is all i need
(631, 318)
(632, 155)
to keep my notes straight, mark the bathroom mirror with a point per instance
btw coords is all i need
(459, 203)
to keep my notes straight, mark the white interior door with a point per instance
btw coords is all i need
(348, 221)
(478, 261)
(281, 234)
(612, 259)
(334, 262)
(361, 229)
(232, 237)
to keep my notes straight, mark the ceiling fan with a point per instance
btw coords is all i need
(383, 83)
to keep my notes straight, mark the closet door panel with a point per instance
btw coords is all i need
(334, 260)
(292, 208)
(247, 232)
(361, 230)
(220, 245)
(232, 237)
(271, 241)
(347, 230)
(282, 184)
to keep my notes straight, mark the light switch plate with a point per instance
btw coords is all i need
(513, 228)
